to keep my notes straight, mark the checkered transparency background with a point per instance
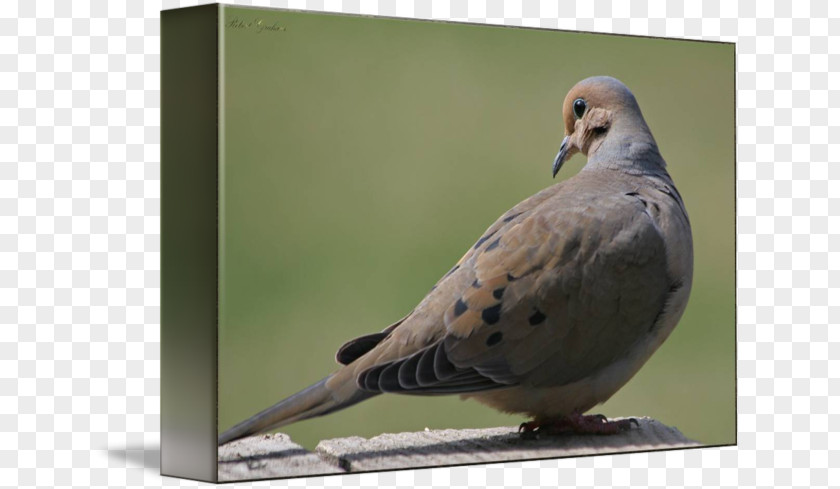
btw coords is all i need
(80, 227)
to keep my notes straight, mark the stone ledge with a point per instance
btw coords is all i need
(269, 456)
(266, 456)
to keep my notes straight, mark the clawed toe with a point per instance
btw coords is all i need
(619, 425)
(594, 424)
(529, 430)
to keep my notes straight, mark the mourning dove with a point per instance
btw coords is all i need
(555, 307)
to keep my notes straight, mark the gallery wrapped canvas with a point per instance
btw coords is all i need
(390, 243)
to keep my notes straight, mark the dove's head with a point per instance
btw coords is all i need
(591, 111)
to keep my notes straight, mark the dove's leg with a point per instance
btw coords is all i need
(593, 424)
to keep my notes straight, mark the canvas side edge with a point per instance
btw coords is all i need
(189, 245)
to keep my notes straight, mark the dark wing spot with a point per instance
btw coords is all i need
(450, 272)
(491, 314)
(460, 307)
(483, 239)
(511, 278)
(476, 284)
(357, 347)
(671, 290)
(656, 319)
(493, 245)
(498, 293)
(674, 195)
(571, 247)
(643, 201)
(494, 338)
(512, 217)
(536, 318)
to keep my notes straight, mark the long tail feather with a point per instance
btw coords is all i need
(315, 400)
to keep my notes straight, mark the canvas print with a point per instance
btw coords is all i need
(445, 243)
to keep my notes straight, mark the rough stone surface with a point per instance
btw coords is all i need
(455, 447)
(268, 456)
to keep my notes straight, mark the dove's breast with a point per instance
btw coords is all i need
(615, 330)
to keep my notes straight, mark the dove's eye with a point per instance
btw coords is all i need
(579, 107)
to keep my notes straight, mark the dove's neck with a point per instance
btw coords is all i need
(628, 146)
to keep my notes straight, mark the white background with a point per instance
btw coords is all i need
(79, 252)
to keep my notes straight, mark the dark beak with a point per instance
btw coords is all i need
(561, 157)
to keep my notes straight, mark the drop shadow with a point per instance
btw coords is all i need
(148, 458)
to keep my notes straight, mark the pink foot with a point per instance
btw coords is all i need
(593, 424)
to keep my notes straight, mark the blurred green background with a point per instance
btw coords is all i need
(361, 157)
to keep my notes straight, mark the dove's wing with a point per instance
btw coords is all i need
(425, 320)
(549, 295)
(357, 347)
